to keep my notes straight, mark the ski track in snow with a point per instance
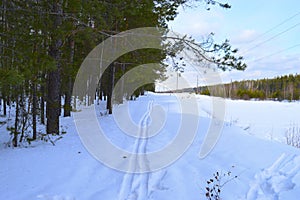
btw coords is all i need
(271, 182)
(137, 186)
(81, 177)
(55, 197)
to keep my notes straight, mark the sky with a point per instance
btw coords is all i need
(265, 32)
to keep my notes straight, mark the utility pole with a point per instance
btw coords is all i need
(177, 80)
(197, 86)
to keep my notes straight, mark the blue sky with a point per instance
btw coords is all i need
(244, 25)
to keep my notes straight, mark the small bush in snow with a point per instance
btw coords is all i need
(27, 141)
(215, 184)
(292, 136)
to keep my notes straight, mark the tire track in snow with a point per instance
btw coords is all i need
(278, 178)
(135, 186)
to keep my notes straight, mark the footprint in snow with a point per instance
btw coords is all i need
(278, 178)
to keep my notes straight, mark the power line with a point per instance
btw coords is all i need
(271, 38)
(276, 26)
(275, 53)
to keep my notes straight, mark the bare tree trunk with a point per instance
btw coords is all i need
(98, 93)
(53, 102)
(54, 78)
(101, 95)
(68, 98)
(142, 91)
(110, 88)
(42, 99)
(68, 93)
(4, 106)
(15, 138)
(123, 67)
(3, 41)
(34, 111)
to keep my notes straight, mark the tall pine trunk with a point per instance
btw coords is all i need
(54, 76)
(16, 132)
(68, 92)
(42, 99)
(53, 101)
(110, 88)
(4, 106)
(3, 60)
(68, 98)
(34, 111)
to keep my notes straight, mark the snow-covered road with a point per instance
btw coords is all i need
(265, 169)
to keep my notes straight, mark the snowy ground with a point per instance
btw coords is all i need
(251, 147)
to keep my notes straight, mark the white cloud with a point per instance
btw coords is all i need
(266, 68)
(246, 36)
(197, 23)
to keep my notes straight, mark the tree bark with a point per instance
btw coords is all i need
(110, 88)
(142, 91)
(54, 77)
(68, 98)
(4, 106)
(34, 111)
(15, 138)
(53, 102)
(42, 99)
(68, 93)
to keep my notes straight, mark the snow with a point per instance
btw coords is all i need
(251, 146)
(271, 182)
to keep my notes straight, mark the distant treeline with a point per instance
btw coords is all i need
(280, 88)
